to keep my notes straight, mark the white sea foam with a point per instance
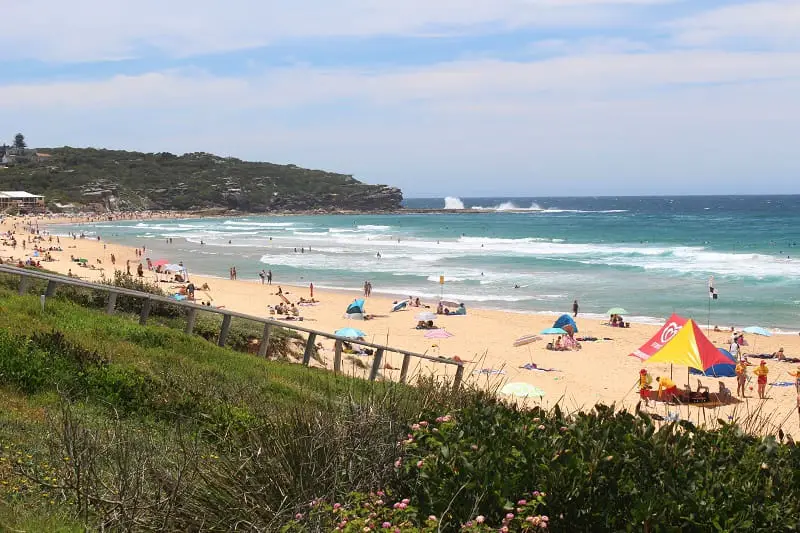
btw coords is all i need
(451, 202)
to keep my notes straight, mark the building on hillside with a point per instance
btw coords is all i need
(24, 201)
(42, 157)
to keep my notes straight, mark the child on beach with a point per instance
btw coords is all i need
(796, 376)
(741, 377)
(762, 372)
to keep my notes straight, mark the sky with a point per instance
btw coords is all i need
(442, 97)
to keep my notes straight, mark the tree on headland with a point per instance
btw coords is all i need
(19, 141)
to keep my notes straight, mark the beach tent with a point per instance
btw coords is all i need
(356, 310)
(566, 323)
(689, 347)
(670, 328)
(399, 305)
(720, 370)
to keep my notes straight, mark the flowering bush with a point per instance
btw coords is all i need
(378, 511)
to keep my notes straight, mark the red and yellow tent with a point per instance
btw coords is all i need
(689, 347)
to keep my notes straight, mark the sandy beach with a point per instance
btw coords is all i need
(601, 371)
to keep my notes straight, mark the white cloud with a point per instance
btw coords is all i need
(775, 23)
(590, 76)
(87, 30)
(680, 117)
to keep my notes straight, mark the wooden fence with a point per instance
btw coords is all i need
(192, 309)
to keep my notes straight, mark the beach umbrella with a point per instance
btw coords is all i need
(689, 347)
(438, 334)
(448, 303)
(616, 311)
(526, 339)
(172, 267)
(757, 330)
(553, 331)
(523, 390)
(350, 333)
(399, 305)
(160, 262)
(426, 316)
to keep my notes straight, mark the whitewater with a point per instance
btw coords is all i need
(652, 256)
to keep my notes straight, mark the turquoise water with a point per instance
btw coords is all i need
(652, 256)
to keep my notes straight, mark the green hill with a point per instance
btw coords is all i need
(121, 180)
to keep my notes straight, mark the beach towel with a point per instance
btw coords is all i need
(535, 368)
(782, 384)
(489, 372)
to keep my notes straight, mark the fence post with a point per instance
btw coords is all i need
(404, 370)
(51, 288)
(223, 333)
(190, 320)
(459, 378)
(309, 348)
(112, 303)
(376, 364)
(337, 356)
(264, 346)
(23, 284)
(145, 312)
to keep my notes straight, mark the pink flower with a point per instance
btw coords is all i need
(398, 463)
(545, 518)
(543, 525)
(432, 518)
(381, 493)
(396, 506)
(405, 501)
(298, 516)
(504, 529)
(378, 502)
(562, 429)
(474, 447)
(522, 502)
(541, 427)
(424, 423)
(480, 519)
(419, 464)
(510, 516)
(386, 525)
(536, 493)
(403, 505)
(415, 427)
(336, 506)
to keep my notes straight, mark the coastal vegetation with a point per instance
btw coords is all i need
(108, 425)
(103, 179)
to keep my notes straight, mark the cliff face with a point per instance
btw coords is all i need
(119, 180)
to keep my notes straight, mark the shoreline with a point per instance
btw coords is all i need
(647, 320)
(601, 372)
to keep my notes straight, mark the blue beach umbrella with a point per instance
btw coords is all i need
(350, 333)
(566, 322)
(757, 330)
(553, 331)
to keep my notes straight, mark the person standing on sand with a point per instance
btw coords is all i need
(262, 275)
(366, 290)
(311, 289)
(269, 277)
(761, 372)
(575, 308)
(128, 266)
(741, 377)
(234, 272)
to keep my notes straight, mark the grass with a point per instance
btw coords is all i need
(148, 426)
(107, 425)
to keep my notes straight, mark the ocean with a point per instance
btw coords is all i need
(651, 255)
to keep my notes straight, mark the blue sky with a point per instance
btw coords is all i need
(454, 97)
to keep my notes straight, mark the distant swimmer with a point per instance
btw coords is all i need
(516, 286)
(378, 255)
